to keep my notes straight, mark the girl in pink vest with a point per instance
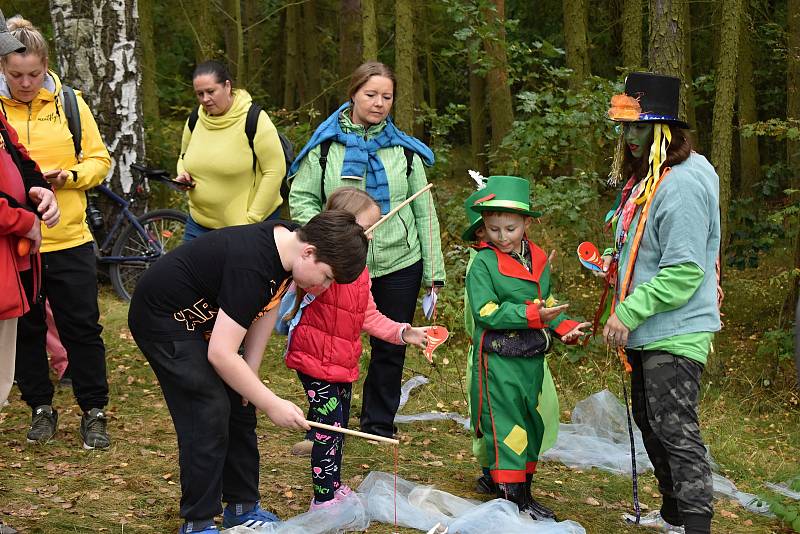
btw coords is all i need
(324, 348)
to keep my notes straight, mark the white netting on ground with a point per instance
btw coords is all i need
(419, 507)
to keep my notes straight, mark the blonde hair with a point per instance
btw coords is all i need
(351, 200)
(29, 35)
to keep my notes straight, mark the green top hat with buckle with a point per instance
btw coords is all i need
(473, 217)
(506, 193)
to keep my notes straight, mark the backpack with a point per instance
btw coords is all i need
(250, 127)
(325, 147)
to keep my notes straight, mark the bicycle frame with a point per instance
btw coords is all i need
(125, 214)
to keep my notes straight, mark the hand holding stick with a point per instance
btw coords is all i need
(397, 208)
(355, 433)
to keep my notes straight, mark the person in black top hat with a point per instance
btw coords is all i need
(663, 271)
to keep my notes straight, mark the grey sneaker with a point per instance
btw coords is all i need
(93, 430)
(655, 521)
(44, 423)
(5, 529)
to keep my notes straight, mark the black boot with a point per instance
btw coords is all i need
(536, 510)
(512, 491)
(485, 485)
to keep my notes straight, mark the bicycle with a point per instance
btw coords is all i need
(134, 242)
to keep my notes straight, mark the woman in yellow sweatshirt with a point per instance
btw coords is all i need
(226, 185)
(32, 101)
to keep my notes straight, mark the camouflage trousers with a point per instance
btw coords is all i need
(664, 391)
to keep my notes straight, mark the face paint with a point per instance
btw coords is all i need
(638, 137)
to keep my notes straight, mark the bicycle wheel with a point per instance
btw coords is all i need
(165, 226)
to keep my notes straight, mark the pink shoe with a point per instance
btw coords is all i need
(322, 505)
(342, 491)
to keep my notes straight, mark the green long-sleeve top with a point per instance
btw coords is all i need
(501, 293)
(405, 238)
(670, 289)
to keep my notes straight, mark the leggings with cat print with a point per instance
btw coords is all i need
(329, 404)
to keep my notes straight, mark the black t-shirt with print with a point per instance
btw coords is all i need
(237, 269)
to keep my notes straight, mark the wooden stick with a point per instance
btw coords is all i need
(397, 208)
(355, 433)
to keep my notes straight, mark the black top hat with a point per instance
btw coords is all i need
(658, 97)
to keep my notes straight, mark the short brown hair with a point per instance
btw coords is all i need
(367, 70)
(351, 200)
(340, 243)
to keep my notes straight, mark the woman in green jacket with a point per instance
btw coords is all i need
(360, 146)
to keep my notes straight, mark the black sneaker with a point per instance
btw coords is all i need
(485, 485)
(44, 423)
(93, 430)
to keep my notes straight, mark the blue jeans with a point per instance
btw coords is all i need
(193, 229)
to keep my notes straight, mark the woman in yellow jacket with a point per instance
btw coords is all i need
(32, 101)
(228, 182)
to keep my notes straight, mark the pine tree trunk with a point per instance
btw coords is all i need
(105, 67)
(477, 119)
(667, 45)
(369, 23)
(206, 34)
(290, 88)
(750, 160)
(254, 39)
(149, 86)
(350, 47)
(576, 26)
(405, 59)
(311, 58)
(234, 40)
(687, 98)
(429, 67)
(793, 112)
(632, 33)
(501, 111)
(725, 94)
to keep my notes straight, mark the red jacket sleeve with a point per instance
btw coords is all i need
(15, 221)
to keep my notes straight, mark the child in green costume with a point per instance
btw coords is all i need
(515, 317)
(548, 400)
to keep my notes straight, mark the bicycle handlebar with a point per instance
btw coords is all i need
(151, 173)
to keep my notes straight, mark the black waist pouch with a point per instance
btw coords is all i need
(525, 343)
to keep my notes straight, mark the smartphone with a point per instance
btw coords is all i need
(187, 185)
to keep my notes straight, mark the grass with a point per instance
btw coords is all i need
(751, 426)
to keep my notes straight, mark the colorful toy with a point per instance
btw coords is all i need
(590, 256)
(436, 336)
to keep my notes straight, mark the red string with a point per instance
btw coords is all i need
(395, 485)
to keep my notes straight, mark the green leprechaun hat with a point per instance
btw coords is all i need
(506, 193)
(473, 217)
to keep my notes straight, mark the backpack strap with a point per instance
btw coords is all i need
(71, 111)
(324, 148)
(250, 127)
(193, 116)
(409, 161)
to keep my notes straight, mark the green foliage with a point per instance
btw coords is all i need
(439, 125)
(778, 344)
(753, 235)
(785, 509)
(566, 201)
(559, 131)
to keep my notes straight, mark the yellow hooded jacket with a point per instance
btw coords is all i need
(43, 130)
(218, 157)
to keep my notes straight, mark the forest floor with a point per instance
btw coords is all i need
(749, 416)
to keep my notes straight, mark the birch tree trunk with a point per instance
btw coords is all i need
(725, 94)
(501, 111)
(369, 26)
(632, 33)
(405, 59)
(576, 26)
(104, 65)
